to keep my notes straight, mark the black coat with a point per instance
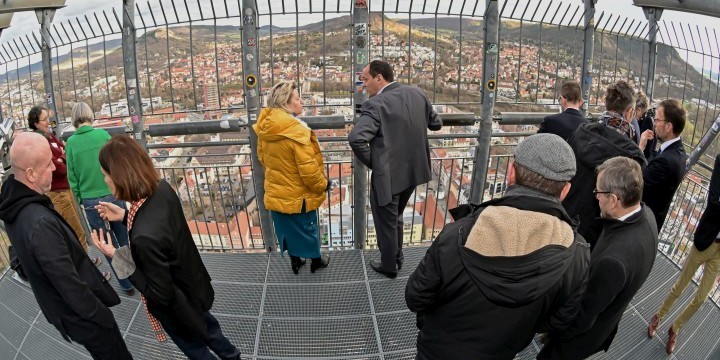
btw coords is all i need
(562, 124)
(471, 306)
(646, 123)
(390, 137)
(67, 286)
(169, 271)
(620, 264)
(709, 225)
(662, 176)
(593, 144)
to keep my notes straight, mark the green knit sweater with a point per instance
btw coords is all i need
(82, 152)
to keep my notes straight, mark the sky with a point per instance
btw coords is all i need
(23, 23)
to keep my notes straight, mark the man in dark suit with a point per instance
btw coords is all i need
(564, 123)
(665, 171)
(70, 290)
(390, 137)
(706, 250)
(619, 266)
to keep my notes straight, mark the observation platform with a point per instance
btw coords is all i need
(346, 311)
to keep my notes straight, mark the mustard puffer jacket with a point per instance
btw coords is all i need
(293, 163)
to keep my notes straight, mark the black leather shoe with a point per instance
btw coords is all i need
(296, 263)
(319, 263)
(399, 264)
(377, 266)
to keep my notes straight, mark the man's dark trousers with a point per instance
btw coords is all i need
(388, 221)
(101, 342)
(197, 349)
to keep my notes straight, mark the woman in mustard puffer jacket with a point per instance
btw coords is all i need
(295, 183)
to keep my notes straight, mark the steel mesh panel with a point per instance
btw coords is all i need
(51, 332)
(345, 266)
(244, 268)
(661, 278)
(401, 356)
(7, 350)
(141, 327)
(329, 337)
(412, 255)
(648, 307)
(237, 299)
(12, 328)
(142, 348)
(124, 312)
(18, 298)
(631, 331)
(311, 300)
(240, 331)
(529, 353)
(699, 335)
(397, 331)
(388, 295)
(41, 346)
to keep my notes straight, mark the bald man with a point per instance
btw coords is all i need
(71, 291)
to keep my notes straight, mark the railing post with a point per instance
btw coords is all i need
(653, 15)
(361, 47)
(45, 17)
(132, 88)
(704, 144)
(490, 65)
(588, 49)
(251, 67)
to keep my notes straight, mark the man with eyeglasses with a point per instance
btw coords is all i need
(593, 144)
(619, 266)
(665, 170)
(564, 123)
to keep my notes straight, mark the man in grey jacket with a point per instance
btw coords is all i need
(390, 137)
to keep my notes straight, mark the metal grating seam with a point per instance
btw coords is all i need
(262, 309)
(372, 307)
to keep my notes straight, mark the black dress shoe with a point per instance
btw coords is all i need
(377, 266)
(399, 264)
(296, 263)
(319, 263)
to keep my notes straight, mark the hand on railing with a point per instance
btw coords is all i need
(104, 245)
(110, 212)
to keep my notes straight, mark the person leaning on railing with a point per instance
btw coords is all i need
(86, 180)
(295, 183)
(161, 261)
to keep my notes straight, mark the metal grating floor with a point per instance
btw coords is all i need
(346, 311)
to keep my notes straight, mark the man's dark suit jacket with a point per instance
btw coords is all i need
(662, 177)
(390, 137)
(709, 225)
(562, 124)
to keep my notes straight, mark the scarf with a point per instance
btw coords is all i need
(618, 123)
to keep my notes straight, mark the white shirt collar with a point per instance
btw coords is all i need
(381, 90)
(668, 143)
(637, 210)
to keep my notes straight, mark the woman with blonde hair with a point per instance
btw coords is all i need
(295, 183)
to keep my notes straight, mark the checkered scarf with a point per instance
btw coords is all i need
(154, 323)
(617, 122)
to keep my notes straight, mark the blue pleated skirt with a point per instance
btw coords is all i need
(297, 233)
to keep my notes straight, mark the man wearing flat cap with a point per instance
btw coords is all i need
(621, 262)
(508, 268)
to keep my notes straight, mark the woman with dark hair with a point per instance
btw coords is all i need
(60, 194)
(295, 183)
(161, 261)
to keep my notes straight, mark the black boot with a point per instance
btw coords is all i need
(318, 263)
(296, 263)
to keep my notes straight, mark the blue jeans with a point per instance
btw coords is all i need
(118, 232)
(197, 349)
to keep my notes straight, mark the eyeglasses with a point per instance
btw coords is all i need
(596, 191)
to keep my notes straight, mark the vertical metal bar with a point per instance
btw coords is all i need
(653, 15)
(704, 144)
(192, 59)
(45, 17)
(460, 43)
(132, 88)
(252, 104)
(588, 48)
(491, 21)
(361, 33)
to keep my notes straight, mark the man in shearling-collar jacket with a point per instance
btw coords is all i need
(513, 267)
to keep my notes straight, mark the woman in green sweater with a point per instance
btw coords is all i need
(87, 181)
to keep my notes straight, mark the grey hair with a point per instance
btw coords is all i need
(81, 113)
(623, 177)
(280, 95)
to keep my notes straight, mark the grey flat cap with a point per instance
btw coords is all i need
(548, 155)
